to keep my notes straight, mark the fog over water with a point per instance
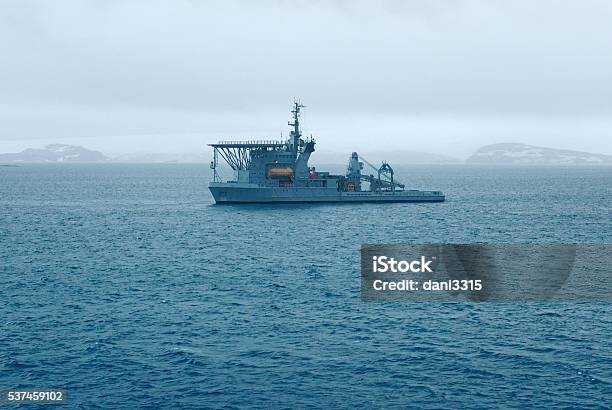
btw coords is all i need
(436, 76)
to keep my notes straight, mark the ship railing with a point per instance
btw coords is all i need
(251, 142)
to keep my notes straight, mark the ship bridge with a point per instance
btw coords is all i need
(266, 161)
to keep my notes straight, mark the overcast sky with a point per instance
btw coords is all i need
(437, 76)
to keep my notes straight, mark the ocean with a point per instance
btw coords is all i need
(126, 287)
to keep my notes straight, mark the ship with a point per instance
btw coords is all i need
(277, 171)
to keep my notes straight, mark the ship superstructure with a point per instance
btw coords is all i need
(268, 171)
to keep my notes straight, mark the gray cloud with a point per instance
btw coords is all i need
(88, 69)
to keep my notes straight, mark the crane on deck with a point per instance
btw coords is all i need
(383, 180)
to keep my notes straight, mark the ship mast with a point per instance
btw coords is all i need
(296, 133)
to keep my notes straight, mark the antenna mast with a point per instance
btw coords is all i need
(296, 134)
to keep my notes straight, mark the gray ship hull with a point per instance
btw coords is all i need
(242, 193)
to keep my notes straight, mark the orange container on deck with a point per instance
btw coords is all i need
(280, 172)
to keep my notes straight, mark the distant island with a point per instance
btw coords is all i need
(63, 153)
(495, 154)
(56, 153)
(523, 154)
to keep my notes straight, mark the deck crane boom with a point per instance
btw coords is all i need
(383, 181)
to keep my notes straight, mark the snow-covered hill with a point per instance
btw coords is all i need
(522, 154)
(54, 153)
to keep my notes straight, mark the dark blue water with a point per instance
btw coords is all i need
(124, 286)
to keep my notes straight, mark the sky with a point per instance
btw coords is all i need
(437, 76)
